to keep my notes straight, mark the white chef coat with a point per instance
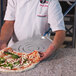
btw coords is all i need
(32, 17)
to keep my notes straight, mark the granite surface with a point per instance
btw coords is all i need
(61, 63)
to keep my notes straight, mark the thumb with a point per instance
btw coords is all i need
(41, 54)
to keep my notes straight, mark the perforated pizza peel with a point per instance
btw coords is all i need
(31, 44)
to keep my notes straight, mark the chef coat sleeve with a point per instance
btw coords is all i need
(55, 16)
(10, 10)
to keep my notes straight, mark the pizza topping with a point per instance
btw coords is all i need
(12, 55)
(34, 57)
(10, 65)
(4, 65)
(17, 63)
(25, 60)
(2, 60)
(26, 63)
(7, 53)
(9, 60)
(15, 56)
(15, 69)
(7, 56)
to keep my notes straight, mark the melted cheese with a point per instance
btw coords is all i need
(8, 56)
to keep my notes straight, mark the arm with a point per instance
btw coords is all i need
(7, 29)
(56, 20)
(58, 40)
(6, 33)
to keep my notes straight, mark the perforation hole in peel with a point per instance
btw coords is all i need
(31, 44)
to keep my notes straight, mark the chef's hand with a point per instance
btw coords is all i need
(2, 45)
(44, 55)
(47, 53)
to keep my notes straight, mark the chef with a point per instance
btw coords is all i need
(27, 18)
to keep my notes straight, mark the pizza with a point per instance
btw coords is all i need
(12, 61)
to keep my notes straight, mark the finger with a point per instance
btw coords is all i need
(42, 58)
(41, 54)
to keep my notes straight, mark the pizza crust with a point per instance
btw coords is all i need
(20, 70)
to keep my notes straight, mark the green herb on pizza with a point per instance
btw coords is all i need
(2, 60)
